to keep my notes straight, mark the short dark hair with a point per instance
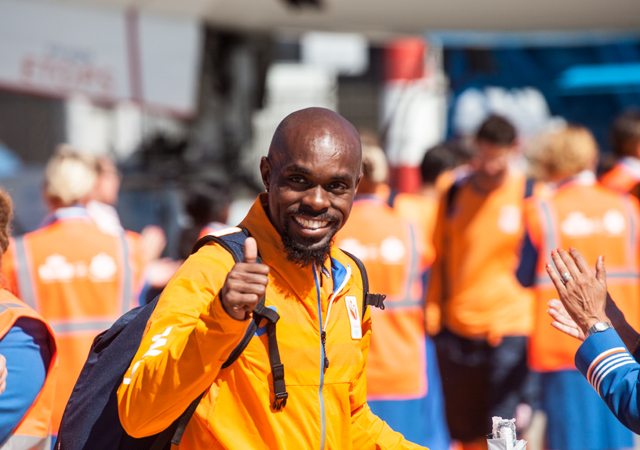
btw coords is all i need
(625, 133)
(437, 159)
(206, 202)
(497, 130)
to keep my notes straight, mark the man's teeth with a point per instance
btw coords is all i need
(313, 224)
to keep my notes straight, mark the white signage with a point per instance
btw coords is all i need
(344, 53)
(106, 54)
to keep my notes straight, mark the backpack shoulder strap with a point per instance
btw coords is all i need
(234, 244)
(368, 299)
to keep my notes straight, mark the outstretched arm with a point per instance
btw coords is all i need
(602, 358)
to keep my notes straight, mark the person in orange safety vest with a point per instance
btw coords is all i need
(29, 345)
(477, 306)
(585, 215)
(77, 277)
(310, 175)
(394, 251)
(625, 137)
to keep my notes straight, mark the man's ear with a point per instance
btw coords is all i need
(265, 172)
(359, 180)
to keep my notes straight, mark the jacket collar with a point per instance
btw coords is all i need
(299, 279)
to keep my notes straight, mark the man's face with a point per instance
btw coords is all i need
(492, 160)
(311, 184)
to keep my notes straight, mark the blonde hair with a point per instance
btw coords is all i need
(564, 153)
(6, 210)
(70, 176)
(374, 164)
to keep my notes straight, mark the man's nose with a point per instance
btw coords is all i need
(316, 198)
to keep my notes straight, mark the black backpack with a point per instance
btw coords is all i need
(90, 420)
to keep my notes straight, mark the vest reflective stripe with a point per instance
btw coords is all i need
(632, 250)
(5, 306)
(551, 238)
(25, 286)
(127, 276)
(74, 327)
(412, 277)
(17, 442)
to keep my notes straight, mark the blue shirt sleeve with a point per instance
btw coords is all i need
(26, 349)
(614, 374)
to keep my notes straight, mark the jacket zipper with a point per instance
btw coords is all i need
(323, 340)
(323, 361)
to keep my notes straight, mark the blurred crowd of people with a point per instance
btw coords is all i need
(465, 334)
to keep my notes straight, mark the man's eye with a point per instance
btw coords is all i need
(296, 179)
(338, 186)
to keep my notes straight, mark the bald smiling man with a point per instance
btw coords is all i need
(310, 176)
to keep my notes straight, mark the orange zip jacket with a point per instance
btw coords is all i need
(596, 221)
(189, 336)
(33, 431)
(80, 280)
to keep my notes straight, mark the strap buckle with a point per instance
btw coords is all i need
(376, 300)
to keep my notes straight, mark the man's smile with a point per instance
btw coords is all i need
(310, 226)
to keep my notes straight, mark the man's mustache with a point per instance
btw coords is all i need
(318, 215)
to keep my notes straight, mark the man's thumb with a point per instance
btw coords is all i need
(250, 251)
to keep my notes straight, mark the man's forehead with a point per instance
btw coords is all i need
(299, 167)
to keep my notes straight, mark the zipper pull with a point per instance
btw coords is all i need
(323, 339)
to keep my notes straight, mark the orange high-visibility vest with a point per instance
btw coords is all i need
(389, 248)
(624, 175)
(80, 280)
(595, 221)
(33, 431)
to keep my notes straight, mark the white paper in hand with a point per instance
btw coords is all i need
(503, 436)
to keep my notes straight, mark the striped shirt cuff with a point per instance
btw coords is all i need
(600, 355)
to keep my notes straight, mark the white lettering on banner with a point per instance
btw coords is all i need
(354, 316)
(106, 54)
(66, 74)
(57, 268)
(578, 224)
(158, 341)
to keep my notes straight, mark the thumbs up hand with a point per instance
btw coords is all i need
(246, 283)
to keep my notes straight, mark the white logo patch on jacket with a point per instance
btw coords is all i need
(354, 316)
